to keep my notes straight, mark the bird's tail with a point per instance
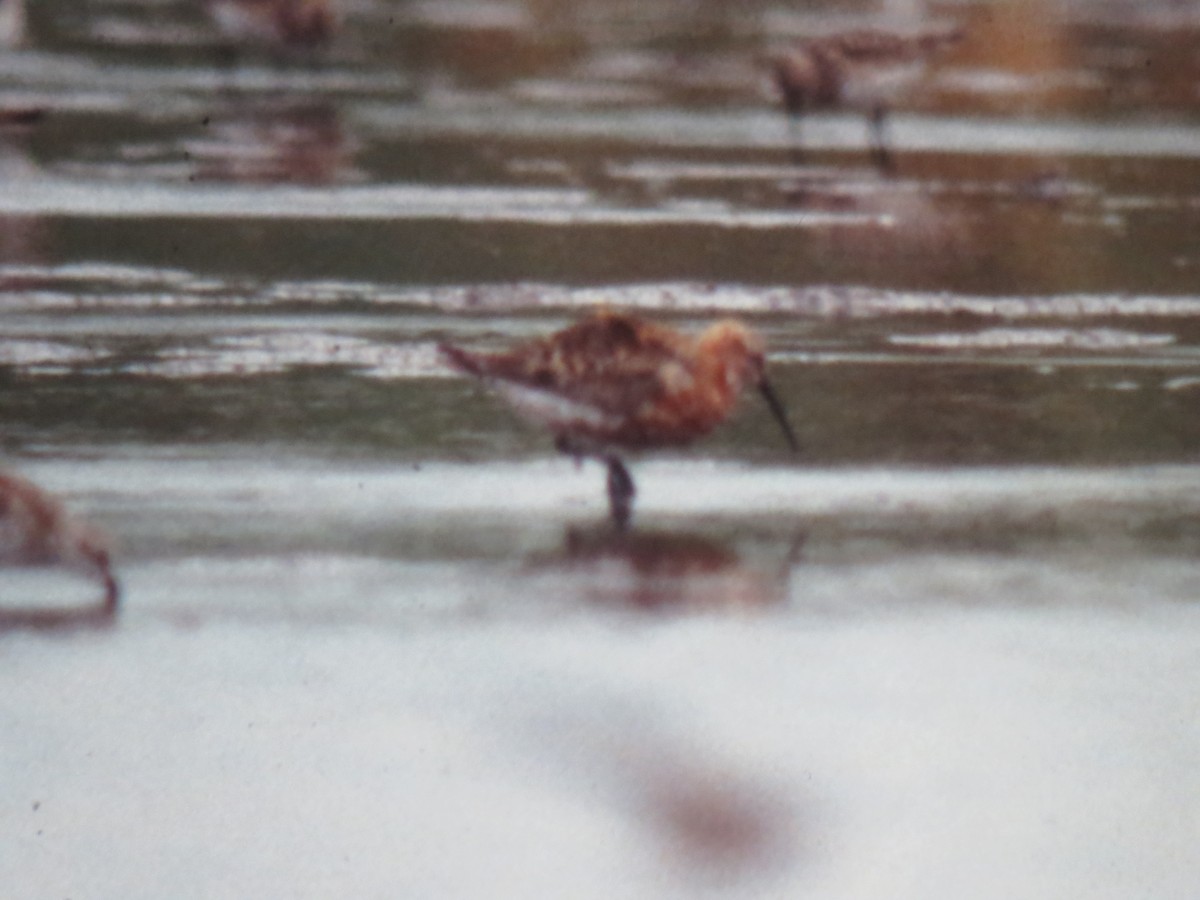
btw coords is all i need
(461, 360)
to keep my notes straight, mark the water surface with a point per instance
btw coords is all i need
(377, 638)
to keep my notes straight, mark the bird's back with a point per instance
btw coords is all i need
(611, 361)
(855, 68)
(610, 380)
(885, 47)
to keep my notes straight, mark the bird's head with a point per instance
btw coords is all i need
(738, 356)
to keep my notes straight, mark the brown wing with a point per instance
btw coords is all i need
(610, 361)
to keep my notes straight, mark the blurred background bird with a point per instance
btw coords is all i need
(860, 70)
(297, 24)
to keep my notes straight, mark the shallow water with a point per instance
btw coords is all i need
(376, 637)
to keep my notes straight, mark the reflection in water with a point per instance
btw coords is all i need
(102, 614)
(269, 141)
(669, 571)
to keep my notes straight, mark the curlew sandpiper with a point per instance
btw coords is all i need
(859, 70)
(615, 382)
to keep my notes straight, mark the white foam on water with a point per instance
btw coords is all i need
(1093, 339)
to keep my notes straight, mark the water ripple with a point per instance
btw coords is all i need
(1037, 338)
(241, 355)
(33, 288)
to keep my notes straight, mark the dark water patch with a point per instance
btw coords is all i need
(330, 543)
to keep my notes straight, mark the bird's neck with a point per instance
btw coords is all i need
(717, 385)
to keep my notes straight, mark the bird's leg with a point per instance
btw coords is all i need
(796, 136)
(112, 594)
(620, 492)
(879, 143)
(563, 445)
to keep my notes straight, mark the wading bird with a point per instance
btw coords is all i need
(36, 530)
(614, 382)
(858, 70)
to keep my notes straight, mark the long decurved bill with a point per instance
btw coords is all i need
(780, 414)
(112, 593)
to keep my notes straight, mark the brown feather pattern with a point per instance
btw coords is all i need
(647, 384)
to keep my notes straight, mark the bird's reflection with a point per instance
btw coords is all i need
(669, 571)
(274, 141)
(101, 614)
(887, 221)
